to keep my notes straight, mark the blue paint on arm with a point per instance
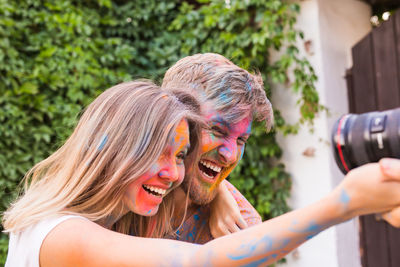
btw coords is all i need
(256, 263)
(247, 250)
(344, 197)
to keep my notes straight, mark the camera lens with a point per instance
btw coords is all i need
(364, 138)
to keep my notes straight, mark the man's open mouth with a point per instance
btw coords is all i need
(209, 169)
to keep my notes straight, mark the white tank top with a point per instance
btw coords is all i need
(24, 246)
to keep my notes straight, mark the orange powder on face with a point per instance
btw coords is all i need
(181, 137)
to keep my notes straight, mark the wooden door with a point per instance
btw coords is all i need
(374, 84)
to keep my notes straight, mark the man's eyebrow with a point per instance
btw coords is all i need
(221, 121)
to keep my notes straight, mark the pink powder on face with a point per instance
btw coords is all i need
(144, 195)
(222, 146)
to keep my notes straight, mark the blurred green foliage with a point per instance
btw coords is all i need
(57, 55)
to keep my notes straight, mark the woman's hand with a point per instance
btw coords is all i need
(225, 217)
(370, 189)
(391, 169)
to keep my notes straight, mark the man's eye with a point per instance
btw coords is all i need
(241, 141)
(218, 130)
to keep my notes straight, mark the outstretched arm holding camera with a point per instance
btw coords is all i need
(364, 190)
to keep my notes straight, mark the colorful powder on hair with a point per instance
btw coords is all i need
(103, 142)
(248, 86)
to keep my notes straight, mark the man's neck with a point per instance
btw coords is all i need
(180, 199)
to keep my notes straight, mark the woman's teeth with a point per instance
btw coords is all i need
(154, 190)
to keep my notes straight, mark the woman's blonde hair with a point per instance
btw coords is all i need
(119, 136)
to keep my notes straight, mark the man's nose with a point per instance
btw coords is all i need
(228, 152)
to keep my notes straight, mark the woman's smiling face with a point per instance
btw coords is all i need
(144, 195)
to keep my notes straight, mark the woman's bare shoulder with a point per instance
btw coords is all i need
(80, 242)
(76, 242)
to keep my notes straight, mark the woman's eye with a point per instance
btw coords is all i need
(181, 157)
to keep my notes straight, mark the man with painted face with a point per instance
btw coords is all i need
(231, 98)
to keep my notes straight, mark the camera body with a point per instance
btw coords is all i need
(367, 137)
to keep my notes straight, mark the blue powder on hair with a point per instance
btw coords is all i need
(248, 86)
(224, 98)
(206, 68)
(103, 142)
(194, 85)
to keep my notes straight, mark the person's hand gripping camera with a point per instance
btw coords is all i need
(371, 137)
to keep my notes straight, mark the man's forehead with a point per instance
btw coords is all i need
(244, 124)
(213, 115)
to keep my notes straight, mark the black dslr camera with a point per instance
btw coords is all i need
(364, 138)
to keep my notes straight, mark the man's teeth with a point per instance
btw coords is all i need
(210, 165)
(155, 189)
(206, 175)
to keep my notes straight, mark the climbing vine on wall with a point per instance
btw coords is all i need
(57, 55)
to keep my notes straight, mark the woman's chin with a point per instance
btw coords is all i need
(147, 211)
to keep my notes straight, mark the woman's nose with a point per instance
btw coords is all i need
(169, 172)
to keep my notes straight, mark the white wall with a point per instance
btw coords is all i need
(333, 27)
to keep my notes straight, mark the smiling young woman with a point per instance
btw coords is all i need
(123, 158)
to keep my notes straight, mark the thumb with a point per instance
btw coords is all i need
(390, 168)
(392, 217)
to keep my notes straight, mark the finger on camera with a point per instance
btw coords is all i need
(390, 168)
(392, 217)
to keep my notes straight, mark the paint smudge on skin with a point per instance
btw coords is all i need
(163, 174)
(103, 142)
(241, 154)
(284, 244)
(226, 151)
(256, 263)
(247, 250)
(312, 227)
(208, 261)
(311, 230)
(344, 198)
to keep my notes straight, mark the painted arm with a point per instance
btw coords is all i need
(365, 190)
(225, 214)
(231, 212)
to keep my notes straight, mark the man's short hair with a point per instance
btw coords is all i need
(234, 92)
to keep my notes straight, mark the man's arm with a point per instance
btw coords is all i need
(248, 212)
(231, 212)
